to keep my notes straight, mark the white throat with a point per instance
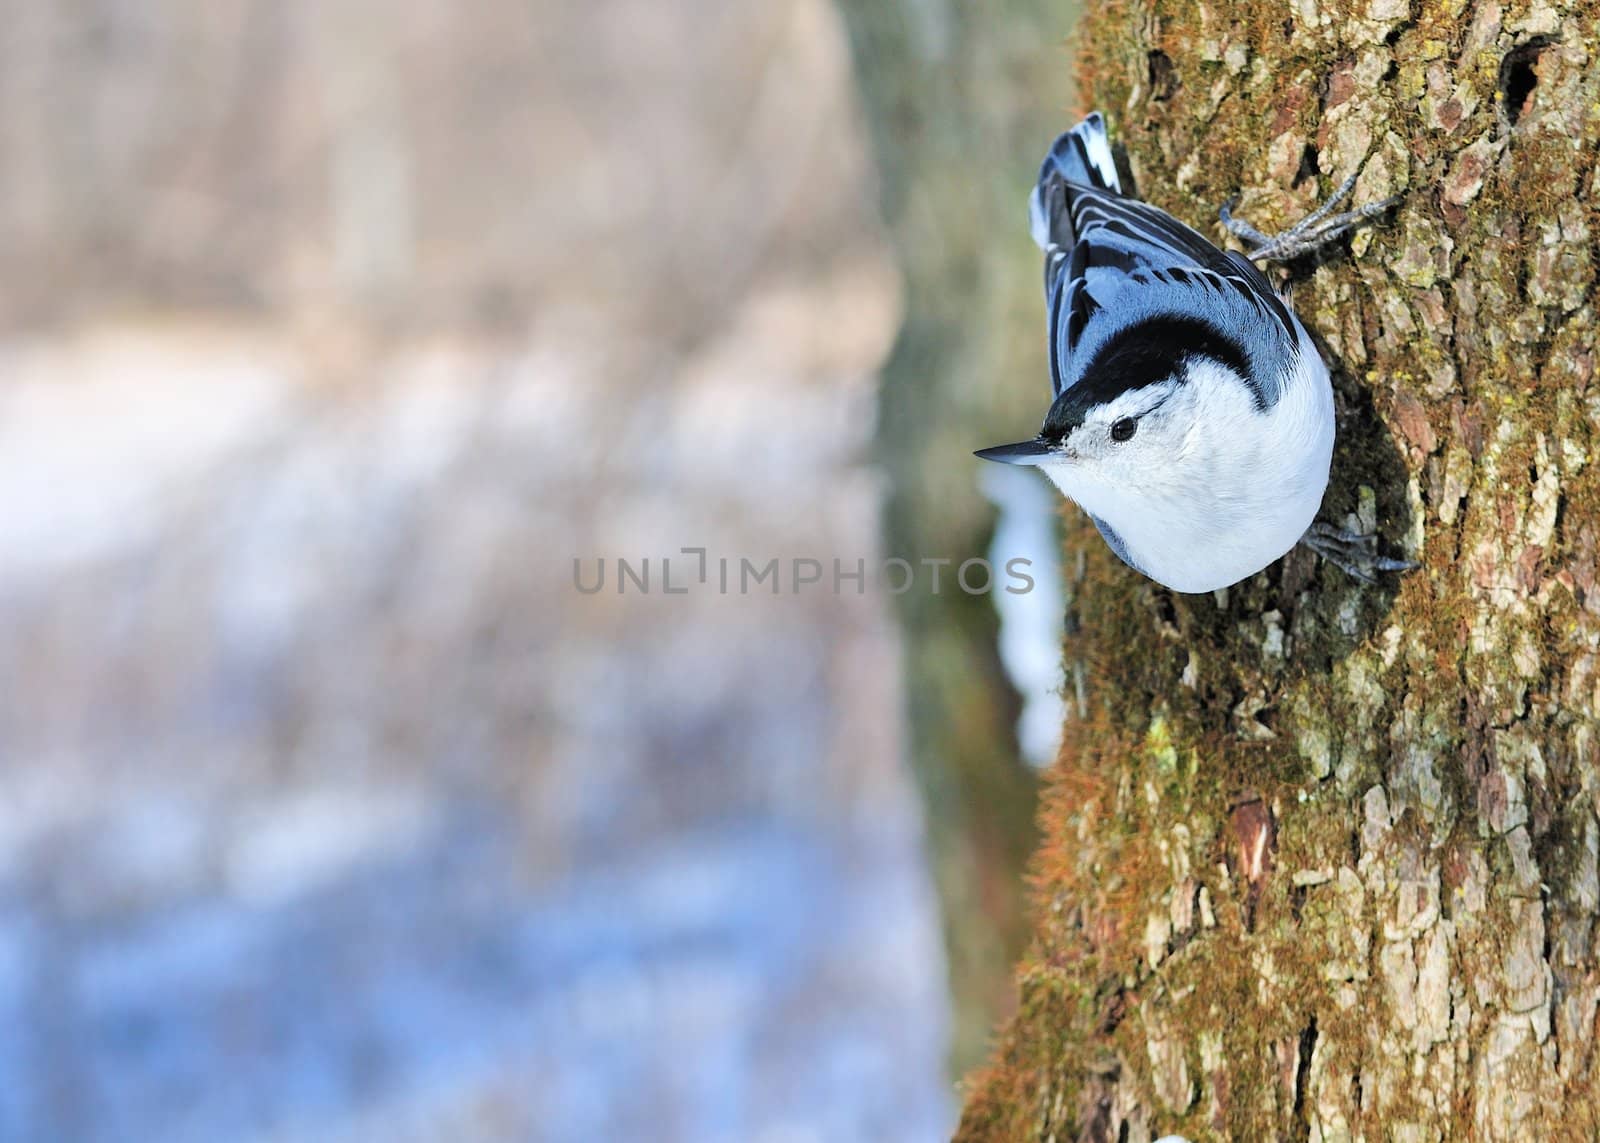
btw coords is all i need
(1237, 493)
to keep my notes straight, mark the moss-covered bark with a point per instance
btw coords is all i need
(1320, 861)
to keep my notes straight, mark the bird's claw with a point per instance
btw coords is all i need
(1238, 227)
(1354, 553)
(1311, 233)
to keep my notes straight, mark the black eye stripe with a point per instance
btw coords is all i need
(1146, 353)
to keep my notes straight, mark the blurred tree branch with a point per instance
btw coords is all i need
(960, 100)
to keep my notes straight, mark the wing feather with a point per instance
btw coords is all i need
(1099, 244)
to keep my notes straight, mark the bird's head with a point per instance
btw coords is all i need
(1150, 405)
(1168, 442)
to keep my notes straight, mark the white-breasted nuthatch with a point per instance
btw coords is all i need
(1192, 416)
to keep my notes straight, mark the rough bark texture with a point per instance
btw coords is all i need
(1320, 860)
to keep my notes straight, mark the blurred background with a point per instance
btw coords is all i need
(335, 333)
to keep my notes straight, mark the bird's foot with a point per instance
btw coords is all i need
(1316, 230)
(1355, 553)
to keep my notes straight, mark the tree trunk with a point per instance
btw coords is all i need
(1319, 860)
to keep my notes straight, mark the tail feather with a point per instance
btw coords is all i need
(1082, 155)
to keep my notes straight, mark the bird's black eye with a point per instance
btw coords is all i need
(1123, 429)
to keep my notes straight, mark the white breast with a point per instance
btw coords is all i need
(1237, 494)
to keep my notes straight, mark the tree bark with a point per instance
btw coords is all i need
(1320, 860)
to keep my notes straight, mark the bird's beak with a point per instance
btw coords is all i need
(1023, 452)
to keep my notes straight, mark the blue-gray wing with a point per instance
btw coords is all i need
(1129, 261)
(1111, 260)
(1079, 159)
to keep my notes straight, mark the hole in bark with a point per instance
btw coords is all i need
(1297, 901)
(1097, 1128)
(1167, 609)
(1519, 75)
(1163, 81)
(1310, 168)
(1114, 1012)
(1302, 1079)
